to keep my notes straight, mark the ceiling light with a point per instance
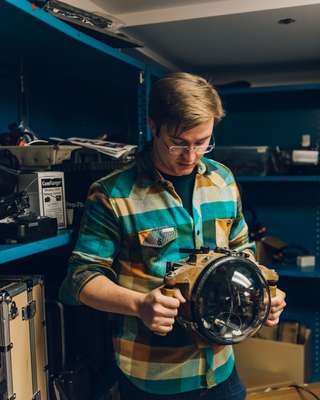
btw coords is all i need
(286, 21)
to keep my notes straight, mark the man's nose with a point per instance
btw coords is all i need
(189, 155)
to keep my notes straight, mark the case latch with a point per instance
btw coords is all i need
(36, 396)
(13, 310)
(29, 310)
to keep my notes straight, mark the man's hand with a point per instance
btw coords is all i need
(158, 311)
(277, 305)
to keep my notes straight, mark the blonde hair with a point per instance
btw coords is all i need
(181, 101)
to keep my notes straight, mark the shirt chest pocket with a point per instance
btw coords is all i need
(223, 228)
(154, 242)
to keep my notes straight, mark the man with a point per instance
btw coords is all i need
(136, 220)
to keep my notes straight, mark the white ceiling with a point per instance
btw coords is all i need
(230, 38)
(134, 6)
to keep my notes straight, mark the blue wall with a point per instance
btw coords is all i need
(8, 100)
(270, 118)
(277, 118)
(66, 107)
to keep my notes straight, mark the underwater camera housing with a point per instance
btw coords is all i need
(228, 296)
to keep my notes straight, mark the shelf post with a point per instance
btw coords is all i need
(143, 96)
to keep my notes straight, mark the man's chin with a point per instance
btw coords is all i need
(182, 169)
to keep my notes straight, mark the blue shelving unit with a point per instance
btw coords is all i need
(91, 88)
(296, 272)
(270, 89)
(41, 32)
(288, 206)
(279, 179)
(12, 252)
(79, 75)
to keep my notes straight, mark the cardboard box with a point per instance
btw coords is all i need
(268, 332)
(266, 362)
(286, 393)
(289, 331)
(46, 194)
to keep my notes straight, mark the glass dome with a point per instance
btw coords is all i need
(230, 300)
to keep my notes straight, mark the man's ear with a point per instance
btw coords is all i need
(153, 127)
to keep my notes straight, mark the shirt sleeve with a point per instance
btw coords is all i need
(239, 235)
(96, 248)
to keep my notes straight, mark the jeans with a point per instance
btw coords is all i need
(231, 389)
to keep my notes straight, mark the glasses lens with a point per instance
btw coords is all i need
(176, 149)
(195, 149)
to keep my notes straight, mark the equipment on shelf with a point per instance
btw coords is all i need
(83, 168)
(227, 295)
(46, 192)
(295, 161)
(19, 226)
(267, 247)
(271, 250)
(13, 205)
(24, 229)
(244, 160)
(39, 157)
(264, 160)
(256, 229)
(19, 135)
(9, 171)
(102, 28)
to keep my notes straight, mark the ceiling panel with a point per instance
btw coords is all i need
(239, 39)
(125, 6)
(223, 35)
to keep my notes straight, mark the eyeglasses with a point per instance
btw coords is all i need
(192, 149)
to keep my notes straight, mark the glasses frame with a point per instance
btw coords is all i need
(176, 149)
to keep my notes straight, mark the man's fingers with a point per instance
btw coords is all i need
(278, 308)
(172, 301)
(275, 315)
(166, 312)
(178, 295)
(169, 302)
(162, 325)
(277, 305)
(272, 323)
(163, 322)
(273, 318)
(163, 329)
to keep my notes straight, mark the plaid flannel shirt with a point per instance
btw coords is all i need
(133, 224)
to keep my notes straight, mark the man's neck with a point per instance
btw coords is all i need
(178, 177)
